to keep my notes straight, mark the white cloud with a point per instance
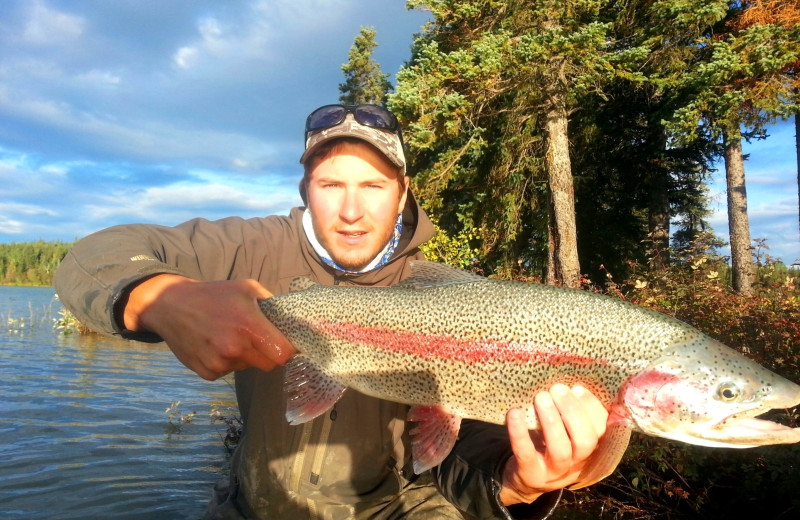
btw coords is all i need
(182, 109)
(185, 57)
(179, 202)
(47, 26)
(211, 32)
(267, 30)
(96, 77)
(25, 209)
(10, 226)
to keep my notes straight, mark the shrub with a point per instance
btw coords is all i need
(663, 479)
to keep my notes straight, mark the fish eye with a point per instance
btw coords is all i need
(728, 391)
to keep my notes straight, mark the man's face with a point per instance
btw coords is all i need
(354, 198)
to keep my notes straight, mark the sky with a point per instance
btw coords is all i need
(160, 111)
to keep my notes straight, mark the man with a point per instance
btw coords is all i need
(196, 286)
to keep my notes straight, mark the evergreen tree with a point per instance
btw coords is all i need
(30, 263)
(670, 174)
(787, 15)
(492, 84)
(486, 97)
(364, 81)
(738, 81)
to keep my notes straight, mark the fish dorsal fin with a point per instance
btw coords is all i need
(301, 283)
(426, 275)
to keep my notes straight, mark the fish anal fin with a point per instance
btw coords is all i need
(310, 392)
(433, 437)
(606, 456)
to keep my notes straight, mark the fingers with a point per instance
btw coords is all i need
(593, 407)
(270, 345)
(572, 421)
(253, 341)
(525, 473)
(573, 435)
(213, 327)
(522, 443)
(552, 408)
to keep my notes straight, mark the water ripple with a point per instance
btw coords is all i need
(84, 428)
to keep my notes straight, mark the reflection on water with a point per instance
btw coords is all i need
(83, 424)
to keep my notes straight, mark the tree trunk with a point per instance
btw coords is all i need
(658, 211)
(797, 150)
(658, 220)
(563, 266)
(739, 226)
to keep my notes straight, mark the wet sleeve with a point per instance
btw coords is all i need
(470, 476)
(95, 277)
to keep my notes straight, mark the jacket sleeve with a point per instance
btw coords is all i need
(470, 476)
(95, 277)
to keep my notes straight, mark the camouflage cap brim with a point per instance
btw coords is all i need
(387, 142)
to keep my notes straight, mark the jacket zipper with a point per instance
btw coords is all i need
(314, 446)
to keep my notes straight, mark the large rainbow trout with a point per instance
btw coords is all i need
(456, 345)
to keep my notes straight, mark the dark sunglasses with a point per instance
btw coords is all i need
(372, 116)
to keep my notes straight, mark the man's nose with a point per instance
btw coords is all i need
(352, 206)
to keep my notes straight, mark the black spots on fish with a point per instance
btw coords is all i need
(570, 327)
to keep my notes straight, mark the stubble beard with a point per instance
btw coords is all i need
(353, 259)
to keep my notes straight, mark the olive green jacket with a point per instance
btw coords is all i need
(342, 464)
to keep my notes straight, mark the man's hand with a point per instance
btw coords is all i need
(573, 420)
(212, 327)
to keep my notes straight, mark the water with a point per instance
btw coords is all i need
(83, 428)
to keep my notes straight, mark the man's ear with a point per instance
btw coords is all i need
(404, 194)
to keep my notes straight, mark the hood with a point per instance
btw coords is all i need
(417, 229)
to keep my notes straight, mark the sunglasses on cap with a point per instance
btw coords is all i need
(372, 116)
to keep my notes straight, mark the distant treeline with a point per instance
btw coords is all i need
(31, 263)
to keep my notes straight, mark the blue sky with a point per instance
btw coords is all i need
(160, 111)
(771, 176)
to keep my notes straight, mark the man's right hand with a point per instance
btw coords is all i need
(212, 327)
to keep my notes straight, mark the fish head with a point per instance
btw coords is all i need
(702, 392)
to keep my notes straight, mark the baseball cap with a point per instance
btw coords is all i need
(370, 123)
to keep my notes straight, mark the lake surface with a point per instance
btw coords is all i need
(83, 428)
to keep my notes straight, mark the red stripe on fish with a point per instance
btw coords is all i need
(476, 350)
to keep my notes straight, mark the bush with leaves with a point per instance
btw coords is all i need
(664, 479)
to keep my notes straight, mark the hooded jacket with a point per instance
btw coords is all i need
(345, 463)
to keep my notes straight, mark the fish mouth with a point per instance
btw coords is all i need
(743, 430)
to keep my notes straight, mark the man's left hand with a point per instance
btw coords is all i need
(572, 422)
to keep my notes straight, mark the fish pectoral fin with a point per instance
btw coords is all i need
(606, 456)
(433, 437)
(310, 392)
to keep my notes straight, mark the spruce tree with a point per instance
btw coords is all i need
(364, 81)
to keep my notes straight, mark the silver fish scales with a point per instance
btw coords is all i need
(456, 345)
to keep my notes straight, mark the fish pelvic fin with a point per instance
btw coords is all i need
(427, 275)
(310, 392)
(606, 456)
(433, 437)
